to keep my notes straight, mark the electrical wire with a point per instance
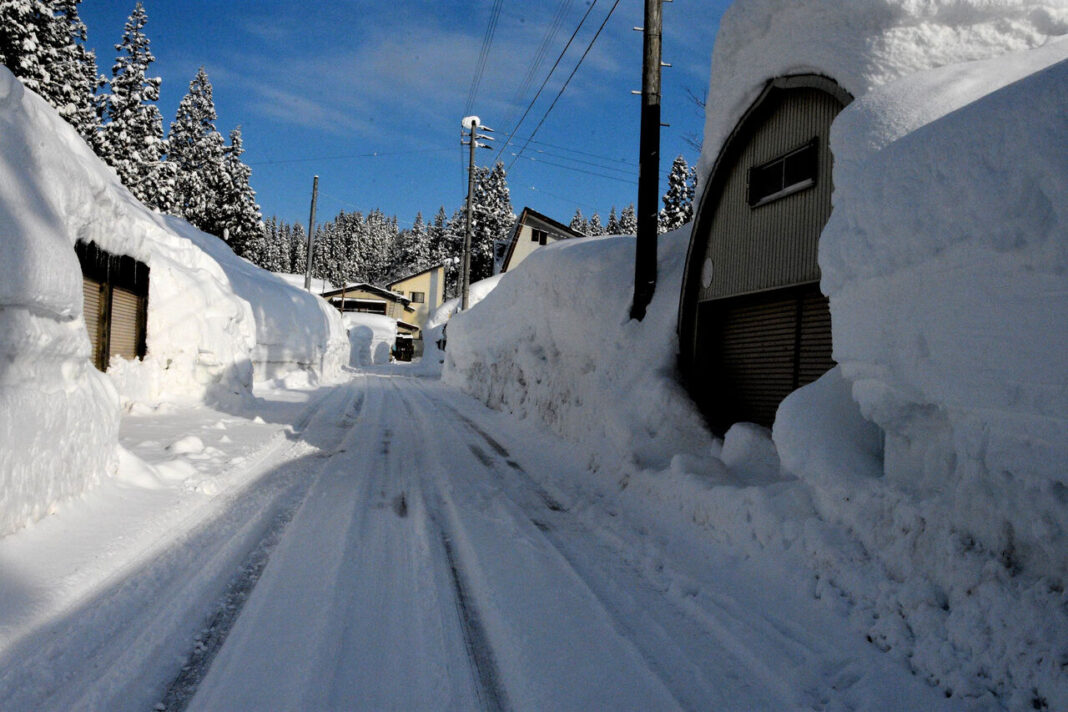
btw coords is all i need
(566, 82)
(483, 55)
(372, 154)
(547, 77)
(539, 56)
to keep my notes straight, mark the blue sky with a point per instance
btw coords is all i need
(319, 87)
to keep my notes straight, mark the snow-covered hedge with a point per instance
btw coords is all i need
(212, 318)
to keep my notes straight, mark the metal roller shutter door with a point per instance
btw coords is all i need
(92, 292)
(762, 348)
(125, 308)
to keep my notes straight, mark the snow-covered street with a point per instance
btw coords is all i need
(392, 544)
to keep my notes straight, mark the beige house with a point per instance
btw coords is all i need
(370, 299)
(425, 291)
(531, 231)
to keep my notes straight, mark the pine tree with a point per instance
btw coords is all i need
(612, 226)
(678, 200)
(594, 227)
(298, 248)
(454, 246)
(196, 151)
(628, 221)
(492, 219)
(579, 223)
(42, 42)
(238, 212)
(413, 248)
(132, 139)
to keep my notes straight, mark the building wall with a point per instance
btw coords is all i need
(526, 245)
(432, 284)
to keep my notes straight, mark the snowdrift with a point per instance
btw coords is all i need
(212, 318)
(554, 341)
(923, 480)
(371, 338)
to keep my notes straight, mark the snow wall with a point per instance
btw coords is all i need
(554, 342)
(923, 482)
(212, 318)
(371, 338)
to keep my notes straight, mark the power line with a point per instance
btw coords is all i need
(372, 154)
(566, 82)
(483, 55)
(539, 56)
(571, 168)
(547, 77)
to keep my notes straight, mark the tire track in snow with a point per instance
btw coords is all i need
(653, 623)
(491, 694)
(210, 640)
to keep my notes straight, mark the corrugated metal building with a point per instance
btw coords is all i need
(753, 325)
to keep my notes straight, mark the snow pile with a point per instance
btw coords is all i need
(371, 338)
(945, 260)
(860, 44)
(923, 482)
(554, 341)
(475, 294)
(211, 315)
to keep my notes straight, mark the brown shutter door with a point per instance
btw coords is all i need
(124, 324)
(92, 293)
(758, 349)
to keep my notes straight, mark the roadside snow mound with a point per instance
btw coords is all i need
(371, 338)
(554, 341)
(211, 316)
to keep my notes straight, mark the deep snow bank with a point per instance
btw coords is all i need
(211, 315)
(554, 341)
(371, 338)
(860, 44)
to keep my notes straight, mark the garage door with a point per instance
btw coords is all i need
(756, 350)
(93, 293)
(125, 324)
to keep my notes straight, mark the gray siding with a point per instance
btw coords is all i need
(773, 245)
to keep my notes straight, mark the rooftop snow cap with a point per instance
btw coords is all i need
(860, 44)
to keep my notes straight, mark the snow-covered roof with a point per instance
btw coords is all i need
(860, 44)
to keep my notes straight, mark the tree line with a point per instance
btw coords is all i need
(192, 172)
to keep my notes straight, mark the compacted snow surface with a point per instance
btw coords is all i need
(392, 544)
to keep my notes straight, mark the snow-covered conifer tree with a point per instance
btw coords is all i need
(131, 140)
(612, 226)
(195, 149)
(492, 218)
(678, 200)
(43, 43)
(628, 221)
(298, 247)
(594, 228)
(237, 211)
(579, 223)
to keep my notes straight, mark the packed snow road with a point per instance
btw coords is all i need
(409, 549)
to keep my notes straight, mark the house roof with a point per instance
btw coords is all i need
(522, 220)
(365, 287)
(431, 268)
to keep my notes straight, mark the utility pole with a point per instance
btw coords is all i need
(472, 123)
(311, 224)
(649, 164)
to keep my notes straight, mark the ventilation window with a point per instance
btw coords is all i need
(785, 175)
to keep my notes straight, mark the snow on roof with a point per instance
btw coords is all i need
(860, 44)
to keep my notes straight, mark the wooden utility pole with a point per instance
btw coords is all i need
(472, 123)
(311, 225)
(649, 165)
